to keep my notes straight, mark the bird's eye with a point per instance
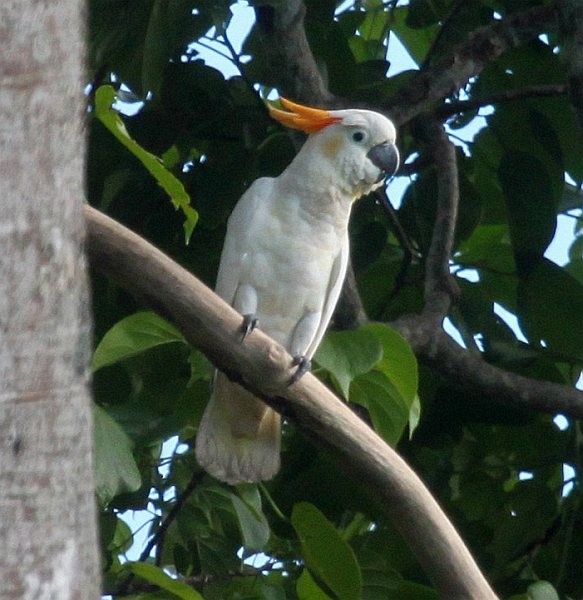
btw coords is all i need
(358, 136)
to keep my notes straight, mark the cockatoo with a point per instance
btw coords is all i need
(283, 265)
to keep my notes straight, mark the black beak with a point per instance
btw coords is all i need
(386, 157)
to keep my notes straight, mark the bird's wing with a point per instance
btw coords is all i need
(335, 282)
(241, 231)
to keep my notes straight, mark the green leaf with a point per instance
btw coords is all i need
(376, 368)
(551, 309)
(347, 354)
(398, 361)
(387, 408)
(104, 98)
(252, 522)
(327, 554)
(132, 336)
(123, 538)
(158, 577)
(156, 47)
(115, 468)
(531, 206)
(308, 589)
(417, 42)
(488, 247)
(542, 590)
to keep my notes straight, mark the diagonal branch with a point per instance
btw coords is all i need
(263, 366)
(158, 538)
(453, 71)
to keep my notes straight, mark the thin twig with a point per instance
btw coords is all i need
(170, 518)
(405, 243)
(532, 91)
(213, 49)
(158, 537)
(237, 61)
(197, 582)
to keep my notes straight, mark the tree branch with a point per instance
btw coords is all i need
(454, 70)
(264, 367)
(440, 286)
(532, 91)
(435, 348)
(293, 68)
(424, 332)
(158, 537)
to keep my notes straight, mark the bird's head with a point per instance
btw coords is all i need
(359, 144)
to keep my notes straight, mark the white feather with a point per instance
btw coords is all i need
(284, 259)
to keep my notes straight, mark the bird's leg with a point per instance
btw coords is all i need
(245, 302)
(304, 365)
(250, 322)
(302, 338)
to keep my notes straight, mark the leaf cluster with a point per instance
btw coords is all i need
(167, 131)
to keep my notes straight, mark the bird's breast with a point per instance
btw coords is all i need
(290, 265)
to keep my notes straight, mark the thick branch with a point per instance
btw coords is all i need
(292, 65)
(424, 332)
(263, 366)
(439, 80)
(435, 348)
(454, 70)
(440, 287)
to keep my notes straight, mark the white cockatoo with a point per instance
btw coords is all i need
(282, 267)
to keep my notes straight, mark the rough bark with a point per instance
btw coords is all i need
(453, 71)
(47, 513)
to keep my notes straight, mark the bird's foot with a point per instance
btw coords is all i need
(250, 322)
(304, 365)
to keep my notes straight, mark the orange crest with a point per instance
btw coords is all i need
(304, 118)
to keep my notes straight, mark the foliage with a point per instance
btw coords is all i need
(312, 532)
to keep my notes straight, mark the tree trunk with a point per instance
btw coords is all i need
(47, 512)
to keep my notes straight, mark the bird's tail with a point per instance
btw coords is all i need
(239, 436)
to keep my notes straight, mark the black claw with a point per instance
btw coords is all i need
(250, 322)
(304, 366)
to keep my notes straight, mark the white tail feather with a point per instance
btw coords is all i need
(238, 439)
